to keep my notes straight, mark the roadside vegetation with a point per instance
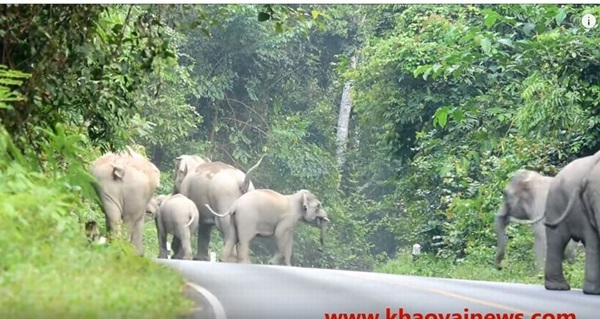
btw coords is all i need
(447, 101)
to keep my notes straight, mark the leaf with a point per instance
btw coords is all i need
(458, 115)
(315, 14)
(490, 18)
(441, 116)
(421, 69)
(528, 27)
(486, 45)
(507, 42)
(560, 16)
(262, 16)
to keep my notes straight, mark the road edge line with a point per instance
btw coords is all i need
(212, 300)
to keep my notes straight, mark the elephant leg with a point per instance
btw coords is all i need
(277, 258)
(539, 247)
(162, 240)
(204, 231)
(185, 237)
(229, 253)
(557, 240)
(112, 214)
(137, 231)
(176, 248)
(591, 284)
(244, 252)
(285, 241)
(244, 239)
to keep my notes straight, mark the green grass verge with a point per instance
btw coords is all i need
(98, 282)
(48, 270)
(471, 269)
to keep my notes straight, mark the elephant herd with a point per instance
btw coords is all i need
(569, 204)
(205, 194)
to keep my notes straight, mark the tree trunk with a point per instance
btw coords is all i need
(344, 122)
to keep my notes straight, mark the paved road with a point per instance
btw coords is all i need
(238, 291)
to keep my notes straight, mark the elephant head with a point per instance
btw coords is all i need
(155, 203)
(183, 165)
(523, 202)
(313, 212)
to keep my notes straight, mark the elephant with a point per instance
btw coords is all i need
(214, 183)
(176, 215)
(523, 202)
(183, 165)
(125, 183)
(267, 213)
(572, 212)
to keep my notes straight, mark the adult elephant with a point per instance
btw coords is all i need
(524, 199)
(573, 212)
(266, 213)
(214, 183)
(125, 183)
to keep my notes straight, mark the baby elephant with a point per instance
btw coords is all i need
(176, 215)
(266, 213)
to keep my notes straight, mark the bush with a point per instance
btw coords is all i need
(47, 267)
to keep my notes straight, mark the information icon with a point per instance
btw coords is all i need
(588, 21)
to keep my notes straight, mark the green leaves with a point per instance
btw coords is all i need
(561, 15)
(10, 78)
(490, 17)
(263, 16)
(486, 45)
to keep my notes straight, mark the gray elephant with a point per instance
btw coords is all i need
(523, 202)
(176, 215)
(125, 183)
(183, 165)
(573, 212)
(216, 184)
(265, 212)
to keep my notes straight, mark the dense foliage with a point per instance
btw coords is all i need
(448, 101)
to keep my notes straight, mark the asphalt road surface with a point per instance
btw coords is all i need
(238, 291)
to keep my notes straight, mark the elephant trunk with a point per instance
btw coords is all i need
(323, 224)
(501, 222)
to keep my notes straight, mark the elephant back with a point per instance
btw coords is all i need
(131, 164)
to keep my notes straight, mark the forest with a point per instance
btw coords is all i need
(407, 121)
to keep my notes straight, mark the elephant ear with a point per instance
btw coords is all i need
(181, 165)
(304, 202)
(118, 171)
(524, 185)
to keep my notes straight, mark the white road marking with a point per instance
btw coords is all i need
(212, 300)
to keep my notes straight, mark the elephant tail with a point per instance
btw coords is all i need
(190, 222)
(234, 227)
(246, 185)
(215, 213)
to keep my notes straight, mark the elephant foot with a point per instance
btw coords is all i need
(557, 285)
(591, 288)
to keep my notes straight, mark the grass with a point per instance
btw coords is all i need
(97, 282)
(48, 270)
(514, 271)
